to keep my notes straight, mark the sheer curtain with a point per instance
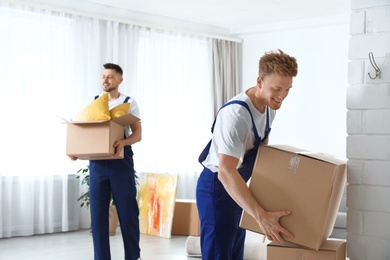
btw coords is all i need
(174, 86)
(51, 62)
(36, 192)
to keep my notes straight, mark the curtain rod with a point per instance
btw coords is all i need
(129, 22)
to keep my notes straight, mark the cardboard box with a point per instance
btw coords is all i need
(330, 250)
(186, 219)
(94, 140)
(308, 184)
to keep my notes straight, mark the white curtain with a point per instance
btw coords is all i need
(50, 64)
(174, 86)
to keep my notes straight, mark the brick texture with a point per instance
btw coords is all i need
(368, 128)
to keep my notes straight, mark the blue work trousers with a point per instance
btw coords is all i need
(221, 236)
(116, 176)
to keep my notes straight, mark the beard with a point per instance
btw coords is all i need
(109, 88)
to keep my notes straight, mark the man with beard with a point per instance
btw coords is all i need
(116, 176)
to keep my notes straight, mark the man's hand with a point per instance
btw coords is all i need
(240, 193)
(73, 158)
(269, 223)
(119, 145)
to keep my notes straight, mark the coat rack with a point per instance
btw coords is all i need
(373, 63)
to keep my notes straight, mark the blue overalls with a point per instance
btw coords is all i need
(220, 235)
(116, 176)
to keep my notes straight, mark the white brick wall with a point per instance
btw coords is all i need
(361, 44)
(368, 96)
(368, 127)
(378, 20)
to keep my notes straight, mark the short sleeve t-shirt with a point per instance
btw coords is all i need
(134, 108)
(233, 131)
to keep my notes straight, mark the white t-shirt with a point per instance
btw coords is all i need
(233, 131)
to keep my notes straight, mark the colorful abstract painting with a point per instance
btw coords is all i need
(156, 201)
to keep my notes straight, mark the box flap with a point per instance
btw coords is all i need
(318, 156)
(288, 148)
(331, 245)
(86, 122)
(123, 120)
(126, 120)
(66, 121)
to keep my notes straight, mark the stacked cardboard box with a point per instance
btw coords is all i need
(330, 250)
(185, 218)
(94, 140)
(307, 183)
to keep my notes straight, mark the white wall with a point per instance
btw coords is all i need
(313, 116)
(368, 124)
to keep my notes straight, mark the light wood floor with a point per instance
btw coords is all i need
(77, 245)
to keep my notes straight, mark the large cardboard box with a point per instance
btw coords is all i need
(307, 183)
(94, 140)
(330, 250)
(186, 219)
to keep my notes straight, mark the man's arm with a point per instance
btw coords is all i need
(135, 137)
(239, 191)
(136, 134)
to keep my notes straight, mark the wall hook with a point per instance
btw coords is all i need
(377, 70)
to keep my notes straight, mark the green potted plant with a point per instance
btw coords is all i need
(84, 198)
(83, 173)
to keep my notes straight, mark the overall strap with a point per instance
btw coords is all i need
(268, 127)
(125, 101)
(258, 140)
(96, 96)
(244, 104)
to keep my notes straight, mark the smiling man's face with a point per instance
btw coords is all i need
(274, 89)
(111, 80)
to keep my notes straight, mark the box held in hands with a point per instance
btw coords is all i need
(307, 183)
(94, 140)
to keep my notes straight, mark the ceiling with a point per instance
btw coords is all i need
(226, 14)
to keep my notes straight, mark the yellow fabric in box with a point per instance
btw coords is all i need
(96, 111)
(120, 110)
